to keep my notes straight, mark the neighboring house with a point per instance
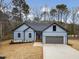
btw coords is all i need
(46, 32)
(4, 24)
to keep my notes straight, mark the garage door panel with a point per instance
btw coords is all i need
(54, 39)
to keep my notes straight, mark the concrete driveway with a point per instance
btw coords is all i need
(51, 51)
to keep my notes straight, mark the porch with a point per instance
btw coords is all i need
(38, 36)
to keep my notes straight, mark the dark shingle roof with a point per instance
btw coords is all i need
(38, 26)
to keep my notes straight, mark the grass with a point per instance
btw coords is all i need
(74, 43)
(26, 50)
(20, 51)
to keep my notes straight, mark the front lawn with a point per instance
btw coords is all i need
(20, 51)
(74, 43)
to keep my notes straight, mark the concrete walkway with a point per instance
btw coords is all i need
(51, 51)
(38, 44)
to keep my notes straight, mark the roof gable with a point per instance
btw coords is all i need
(57, 25)
(26, 28)
(18, 27)
(22, 28)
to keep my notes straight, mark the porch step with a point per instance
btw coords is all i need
(38, 40)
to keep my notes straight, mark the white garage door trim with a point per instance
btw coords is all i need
(54, 40)
(64, 39)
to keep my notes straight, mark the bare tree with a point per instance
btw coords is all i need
(61, 10)
(65, 17)
(22, 7)
(45, 13)
(53, 13)
(74, 20)
(37, 15)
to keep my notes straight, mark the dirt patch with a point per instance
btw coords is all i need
(20, 51)
(74, 43)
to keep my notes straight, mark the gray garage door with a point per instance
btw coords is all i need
(54, 39)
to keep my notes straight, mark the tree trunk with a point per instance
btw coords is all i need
(66, 21)
(61, 17)
(58, 16)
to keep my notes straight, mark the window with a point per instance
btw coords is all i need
(30, 35)
(19, 35)
(54, 27)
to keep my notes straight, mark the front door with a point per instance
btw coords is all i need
(38, 36)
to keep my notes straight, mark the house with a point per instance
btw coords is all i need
(50, 33)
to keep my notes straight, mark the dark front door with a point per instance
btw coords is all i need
(39, 36)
